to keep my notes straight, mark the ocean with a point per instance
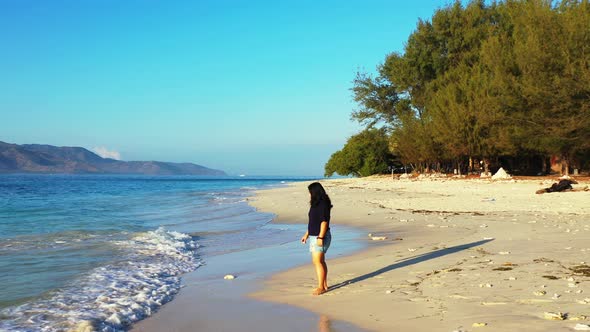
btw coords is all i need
(106, 251)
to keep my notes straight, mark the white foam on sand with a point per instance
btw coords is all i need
(111, 297)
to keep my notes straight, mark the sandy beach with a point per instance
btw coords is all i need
(458, 255)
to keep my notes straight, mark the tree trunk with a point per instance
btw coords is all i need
(565, 165)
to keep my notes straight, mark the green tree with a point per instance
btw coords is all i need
(364, 154)
(377, 99)
(484, 80)
(541, 75)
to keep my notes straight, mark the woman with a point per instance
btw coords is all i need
(318, 228)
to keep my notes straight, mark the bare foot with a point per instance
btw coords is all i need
(319, 291)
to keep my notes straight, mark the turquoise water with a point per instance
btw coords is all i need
(105, 251)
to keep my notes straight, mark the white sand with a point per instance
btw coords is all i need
(472, 252)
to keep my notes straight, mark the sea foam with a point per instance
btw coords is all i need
(111, 297)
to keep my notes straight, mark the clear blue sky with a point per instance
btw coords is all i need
(254, 87)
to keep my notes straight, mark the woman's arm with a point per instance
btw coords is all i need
(323, 231)
(304, 237)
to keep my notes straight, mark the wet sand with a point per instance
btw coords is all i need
(208, 302)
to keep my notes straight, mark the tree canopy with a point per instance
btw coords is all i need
(364, 154)
(509, 78)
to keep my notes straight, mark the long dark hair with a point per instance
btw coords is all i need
(318, 194)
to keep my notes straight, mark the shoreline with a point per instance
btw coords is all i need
(459, 254)
(208, 302)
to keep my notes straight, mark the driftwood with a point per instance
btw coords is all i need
(562, 185)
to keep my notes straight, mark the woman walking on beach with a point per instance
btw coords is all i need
(318, 232)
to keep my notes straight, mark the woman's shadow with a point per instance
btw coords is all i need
(410, 261)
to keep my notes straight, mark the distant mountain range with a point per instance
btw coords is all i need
(37, 158)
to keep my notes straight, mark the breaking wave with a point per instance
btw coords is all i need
(110, 298)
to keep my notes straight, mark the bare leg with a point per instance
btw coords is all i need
(321, 269)
(325, 274)
(324, 324)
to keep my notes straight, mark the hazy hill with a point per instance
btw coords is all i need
(37, 158)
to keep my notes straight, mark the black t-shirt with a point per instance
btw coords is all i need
(317, 214)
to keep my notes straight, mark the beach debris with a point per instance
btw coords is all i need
(562, 185)
(461, 297)
(555, 315)
(501, 175)
(534, 301)
(572, 285)
(581, 269)
(486, 285)
(579, 317)
(419, 299)
(582, 327)
(540, 293)
(579, 291)
(504, 253)
(389, 291)
(377, 238)
(483, 226)
(493, 303)
(488, 199)
(555, 296)
(512, 278)
(543, 260)
(502, 268)
(479, 324)
(551, 277)
(584, 301)
(412, 249)
(229, 277)
(488, 238)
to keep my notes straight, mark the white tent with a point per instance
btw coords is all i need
(501, 175)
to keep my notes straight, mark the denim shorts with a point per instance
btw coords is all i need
(313, 243)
